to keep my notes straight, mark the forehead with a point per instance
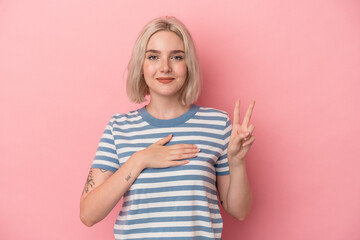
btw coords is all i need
(165, 41)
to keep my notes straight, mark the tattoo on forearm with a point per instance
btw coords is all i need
(128, 177)
(89, 182)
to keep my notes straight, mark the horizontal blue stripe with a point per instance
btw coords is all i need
(183, 167)
(196, 142)
(205, 159)
(202, 125)
(101, 166)
(169, 209)
(213, 118)
(174, 178)
(106, 149)
(165, 134)
(107, 140)
(222, 165)
(106, 158)
(178, 168)
(100, 156)
(169, 229)
(212, 110)
(169, 219)
(108, 131)
(222, 173)
(129, 115)
(170, 199)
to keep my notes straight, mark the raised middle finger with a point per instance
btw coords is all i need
(248, 114)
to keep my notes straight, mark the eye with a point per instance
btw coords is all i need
(152, 57)
(178, 57)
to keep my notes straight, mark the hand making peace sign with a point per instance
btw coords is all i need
(241, 137)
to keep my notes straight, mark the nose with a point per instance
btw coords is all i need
(165, 66)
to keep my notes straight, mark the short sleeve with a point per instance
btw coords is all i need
(106, 156)
(222, 166)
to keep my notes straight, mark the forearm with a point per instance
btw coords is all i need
(239, 197)
(96, 205)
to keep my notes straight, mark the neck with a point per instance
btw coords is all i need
(166, 109)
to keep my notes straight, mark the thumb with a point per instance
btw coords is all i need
(164, 140)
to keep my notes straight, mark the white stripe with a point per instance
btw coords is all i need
(107, 145)
(150, 175)
(108, 136)
(169, 234)
(106, 163)
(172, 214)
(107, 154)
(223, 169)
(169, 204)
(213, 109)
(168, 130)
(169, 224)
(211, 114)
(205, 121)
(124, 119)
(174, 184)
(175, 138)
(222, 161)
(129, 126)
(169, 194)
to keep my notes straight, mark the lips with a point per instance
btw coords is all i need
(165, 79)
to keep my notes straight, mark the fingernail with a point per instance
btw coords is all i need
(247, 133)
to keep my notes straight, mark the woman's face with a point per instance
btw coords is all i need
(164, 66)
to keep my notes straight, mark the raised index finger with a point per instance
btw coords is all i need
(237, 112)
(248, 113)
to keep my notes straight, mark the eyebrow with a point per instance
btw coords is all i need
(157, 51)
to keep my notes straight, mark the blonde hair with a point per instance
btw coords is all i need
(136, 87)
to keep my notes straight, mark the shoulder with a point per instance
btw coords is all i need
(209, 111)
(130, 117)
(216, 116)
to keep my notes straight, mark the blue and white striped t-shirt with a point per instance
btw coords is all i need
(169, 203)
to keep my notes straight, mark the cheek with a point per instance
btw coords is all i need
(182, 70)
(148, 69)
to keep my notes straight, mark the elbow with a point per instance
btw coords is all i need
(240, 218)
(85, 216)
(86, 220)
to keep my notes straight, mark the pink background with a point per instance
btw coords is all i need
(63, 67)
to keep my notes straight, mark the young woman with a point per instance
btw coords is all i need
(171, 158)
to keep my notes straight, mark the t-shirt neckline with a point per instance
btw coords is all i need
(168, 122)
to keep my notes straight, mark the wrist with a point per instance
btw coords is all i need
(236, 162)
(138, 161)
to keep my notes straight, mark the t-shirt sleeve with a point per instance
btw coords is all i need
(222, 166)
(106, 156)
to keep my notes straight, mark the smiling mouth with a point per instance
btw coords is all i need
(165, 79)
